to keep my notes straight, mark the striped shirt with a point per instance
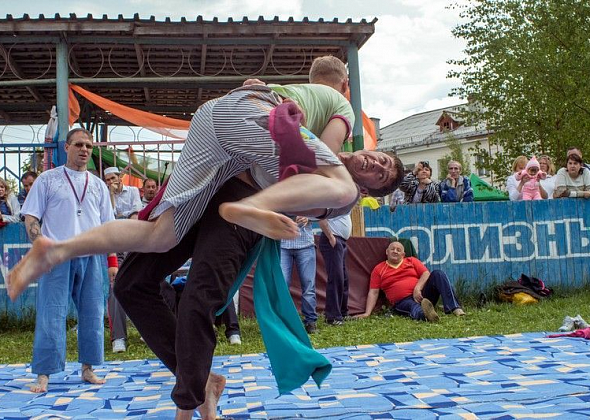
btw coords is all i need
(227, 135)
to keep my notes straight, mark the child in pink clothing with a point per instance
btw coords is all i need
(531, 188)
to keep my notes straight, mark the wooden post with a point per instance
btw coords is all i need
(358, 221)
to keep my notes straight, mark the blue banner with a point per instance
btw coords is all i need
(15, 244)
(489, 242)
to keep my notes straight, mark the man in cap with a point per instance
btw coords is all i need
(126, 204)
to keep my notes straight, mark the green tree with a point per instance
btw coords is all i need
(456, 154)
(526, 74)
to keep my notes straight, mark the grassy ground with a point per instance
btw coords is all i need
(491, 319)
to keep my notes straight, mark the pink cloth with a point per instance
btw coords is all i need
(284, 126)
(585, 333)
(530, 190)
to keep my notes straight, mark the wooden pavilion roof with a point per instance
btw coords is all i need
(166, 67)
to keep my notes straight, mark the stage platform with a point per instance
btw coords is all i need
(500, 377)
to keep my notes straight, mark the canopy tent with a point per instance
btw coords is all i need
(170, 127)
(482, 191)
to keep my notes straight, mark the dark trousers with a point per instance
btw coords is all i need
(185, 343)
(229, 318)
(116, 315)
(437, 285)
(337, 287)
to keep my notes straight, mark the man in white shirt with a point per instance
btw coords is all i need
(126, 204)
(126, 200)
(69, 200)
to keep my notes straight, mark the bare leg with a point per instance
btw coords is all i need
(34, 264)
(89, 376)
(40, 385)
(184, 414)
(331, 187)
(207, 410)
(126, 235)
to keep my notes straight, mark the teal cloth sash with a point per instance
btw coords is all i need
(292, 358)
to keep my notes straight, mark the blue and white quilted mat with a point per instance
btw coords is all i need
(501, 377)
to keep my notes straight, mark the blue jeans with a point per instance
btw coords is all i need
(437, 285)
(82, 279)
(306, 268)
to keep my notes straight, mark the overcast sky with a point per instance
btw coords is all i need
(403, 65)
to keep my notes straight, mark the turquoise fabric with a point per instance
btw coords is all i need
(292, 358)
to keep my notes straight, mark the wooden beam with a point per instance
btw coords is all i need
(140, 63)
(202, 68)
(4, 116)
(268, 57)
(18, 73)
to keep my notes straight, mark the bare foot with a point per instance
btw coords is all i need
(89, 376)
(40, 385)
(266, 222)
(184, 414)
(36, 262)
(213, 391)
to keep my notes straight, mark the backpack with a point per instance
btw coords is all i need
(536, 285)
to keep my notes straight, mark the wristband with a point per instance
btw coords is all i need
(112, 261)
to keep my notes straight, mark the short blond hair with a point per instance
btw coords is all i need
(521, 160)
(328, 69)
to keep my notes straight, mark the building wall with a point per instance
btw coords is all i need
(436, 151)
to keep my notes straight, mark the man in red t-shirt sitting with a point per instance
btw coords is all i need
(411, 289)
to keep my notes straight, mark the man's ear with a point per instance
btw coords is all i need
(363, 190)
(344, 87)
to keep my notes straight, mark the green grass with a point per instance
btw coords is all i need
(16, 338)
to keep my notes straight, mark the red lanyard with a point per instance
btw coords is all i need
(80, 201)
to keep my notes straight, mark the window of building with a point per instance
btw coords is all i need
(480, 170)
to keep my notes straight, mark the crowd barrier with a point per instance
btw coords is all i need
(483, 243)
(478, 244)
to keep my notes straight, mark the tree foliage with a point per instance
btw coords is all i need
(456, 154)
(527, 72)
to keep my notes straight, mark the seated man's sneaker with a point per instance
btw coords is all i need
(579, 323)
(119, 345)
(458, 312)
(568, 324)
(429, 311)
(235, 340)
(335, 322)
(311, 328)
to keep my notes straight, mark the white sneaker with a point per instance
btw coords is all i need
(119, 345)
(235, 339)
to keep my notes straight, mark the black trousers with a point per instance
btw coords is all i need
(185, 343)
(229, 318)
(337, 286)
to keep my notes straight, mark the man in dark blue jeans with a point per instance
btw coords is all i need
(410, 288)
(335, 233)
(301, 251)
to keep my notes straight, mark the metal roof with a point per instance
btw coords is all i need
(166, 67)
(421, 128)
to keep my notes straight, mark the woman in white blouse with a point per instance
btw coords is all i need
(548, 167)
(513, 186)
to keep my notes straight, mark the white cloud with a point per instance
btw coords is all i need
(222, 9)
(404, 63)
